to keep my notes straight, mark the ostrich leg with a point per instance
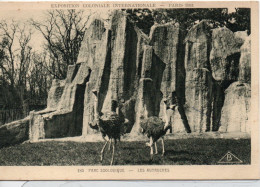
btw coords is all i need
(113, 153)
(163, 150)
(102, 151)
(155, 148)
(151, 147)
(109, 145)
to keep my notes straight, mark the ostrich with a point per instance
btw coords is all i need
(110, 125)
(155, 128)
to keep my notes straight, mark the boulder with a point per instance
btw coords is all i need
(245, 62)
(175, 118)
(67, 119)
(124, 42)
(165, 40)
(225, 55)
(144, 104)
(241, 36)
(55, 94)
(212, 59)
(36, 127)
(198, 94)
(236, 109)
(168, 73)
(91, 42)
(14, 132)
(149, 95)
(199, 83)
(198, 45)
(116, 75)
(145, 87)
(100, 62)
(226, 64)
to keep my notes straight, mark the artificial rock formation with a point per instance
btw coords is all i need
(97, 46)
(67, 119)
(225, 55)
(55, 93)
(214, 59)
(14, 132)
(236, 108)
(235, 112)
(205, 74)
(199, 83)
(245, 61)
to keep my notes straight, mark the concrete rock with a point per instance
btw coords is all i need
(225, 55)
(100, 62)
(245, 62)
(198, 99)
(124, 42)
(36, 127)
(118, 72)
(198, 74)
(235, 112)
(55, 94)
(92, 38)
(198, 45)
(165, 40)
(67, 119)
(199, 83)
(14, 132)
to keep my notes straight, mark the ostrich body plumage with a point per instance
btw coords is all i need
(110, 124)
(153, 127)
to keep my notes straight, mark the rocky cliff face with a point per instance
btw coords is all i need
(235, 112)
(66, 119)
(212, 63)
(199, 83)
(206, 74)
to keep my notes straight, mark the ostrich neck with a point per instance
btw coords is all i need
(117, 111)
(167, 123)
(96, 113)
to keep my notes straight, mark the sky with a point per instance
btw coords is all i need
(37, 39)
(23, 17)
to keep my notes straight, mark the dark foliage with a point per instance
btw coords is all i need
(235, 21)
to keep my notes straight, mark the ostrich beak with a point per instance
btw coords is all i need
(94, 92)
(165, 101)
(172, 107)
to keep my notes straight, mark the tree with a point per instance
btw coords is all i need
(145, 18)
(240, 20)
(39, 80)
(235, 21)
(15, 61)
(63, 31)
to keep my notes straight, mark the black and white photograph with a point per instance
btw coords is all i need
(121, 84)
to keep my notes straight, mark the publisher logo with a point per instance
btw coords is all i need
(229, 158)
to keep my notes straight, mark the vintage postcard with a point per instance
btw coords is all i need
(129, 90)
